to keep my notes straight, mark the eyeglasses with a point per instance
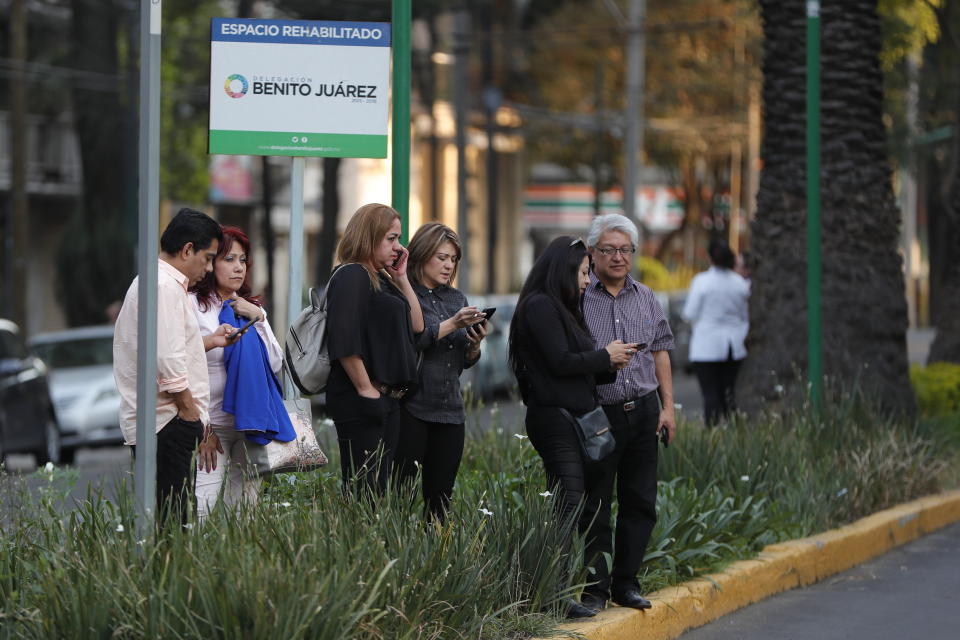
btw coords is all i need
(624, 251)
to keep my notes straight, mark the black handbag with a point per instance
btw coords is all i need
(593, 429)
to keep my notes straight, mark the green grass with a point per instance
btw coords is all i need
(309, 563)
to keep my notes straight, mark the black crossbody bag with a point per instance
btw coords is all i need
(595, 433)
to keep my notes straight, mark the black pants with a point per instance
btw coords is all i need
(367, 442)
(633, 468)
(437, 447)
(554, 438)
(717, 381)
(176, 444)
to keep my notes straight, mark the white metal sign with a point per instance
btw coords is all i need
(299, 88)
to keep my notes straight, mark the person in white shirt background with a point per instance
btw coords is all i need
(717, 308)
(222, 464)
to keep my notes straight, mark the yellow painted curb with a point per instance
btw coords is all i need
(779, 567)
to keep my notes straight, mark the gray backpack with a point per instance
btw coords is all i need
(305, 351)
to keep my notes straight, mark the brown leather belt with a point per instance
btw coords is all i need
(396, 393)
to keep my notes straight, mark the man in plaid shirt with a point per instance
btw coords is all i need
(639, 405)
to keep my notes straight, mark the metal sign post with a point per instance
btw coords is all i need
(145, 466)
(814, 323)
(400, 164)
(295, 256)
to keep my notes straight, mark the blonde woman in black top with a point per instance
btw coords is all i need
(433, 417)
(373, 315)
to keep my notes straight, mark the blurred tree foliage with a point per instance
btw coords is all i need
(702, 62)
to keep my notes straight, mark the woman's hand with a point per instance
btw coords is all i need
(246, 308)
(620, 352)
(209, 447)
(476, 333)
(399, 268)
(466, 317)
(369, 392)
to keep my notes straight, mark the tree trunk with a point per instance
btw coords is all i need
(864, 307)
(95, 259)
(945, 238)
(944, 220)
(331, 211)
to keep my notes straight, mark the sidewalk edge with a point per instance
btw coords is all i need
(779, 567)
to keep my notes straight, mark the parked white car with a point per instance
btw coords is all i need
(82, 387)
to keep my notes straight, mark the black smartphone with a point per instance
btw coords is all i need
(242, 330)
(488, 312)
(663, 433)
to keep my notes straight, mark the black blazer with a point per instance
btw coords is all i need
(559, 368)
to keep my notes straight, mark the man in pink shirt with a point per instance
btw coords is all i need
(188, 246)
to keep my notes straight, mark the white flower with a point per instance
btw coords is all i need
(778, 389)
(842, 492)
(119, 528)
(485, 512)
(141, 542)
(745, 478)
(677, 406)
(326, 422)
(545, 494)
(48, 467)
(284, 504)
(519, 436)
(189, 525)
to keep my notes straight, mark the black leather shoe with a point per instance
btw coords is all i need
(631, 598)
(593, 601)
(573, 609)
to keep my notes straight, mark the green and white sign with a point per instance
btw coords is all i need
(299, 88)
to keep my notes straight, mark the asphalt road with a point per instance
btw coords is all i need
(910, 592)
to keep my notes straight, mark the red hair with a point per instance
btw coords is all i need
(206, 289)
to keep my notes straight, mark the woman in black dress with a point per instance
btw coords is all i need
(372, 317)
(433, 418)
(558, 367)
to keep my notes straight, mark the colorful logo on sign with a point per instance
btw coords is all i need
(235, 81)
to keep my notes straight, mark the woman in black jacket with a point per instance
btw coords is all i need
(557, 366)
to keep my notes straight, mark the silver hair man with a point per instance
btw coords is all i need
(612, 222)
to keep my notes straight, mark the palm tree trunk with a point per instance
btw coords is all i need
(864, 307)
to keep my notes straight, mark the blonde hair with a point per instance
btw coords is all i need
(425, 243)
(366, 228)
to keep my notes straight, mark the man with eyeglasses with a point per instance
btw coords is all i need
(639, 405)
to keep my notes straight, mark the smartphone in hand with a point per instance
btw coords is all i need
(242, 330)
(488, 312)
(664, 434)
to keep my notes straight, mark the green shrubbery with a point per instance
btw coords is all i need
(309, 563)
(938, 388)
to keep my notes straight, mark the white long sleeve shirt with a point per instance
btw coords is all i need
(209, 320)
(717, 307)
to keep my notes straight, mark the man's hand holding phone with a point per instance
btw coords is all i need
(226, 334)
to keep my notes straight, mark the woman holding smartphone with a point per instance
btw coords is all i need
(372, 317)
(221, 463)
(552, 353)
(433, 418)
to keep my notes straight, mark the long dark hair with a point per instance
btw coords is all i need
(206, 289)
(555, 275)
